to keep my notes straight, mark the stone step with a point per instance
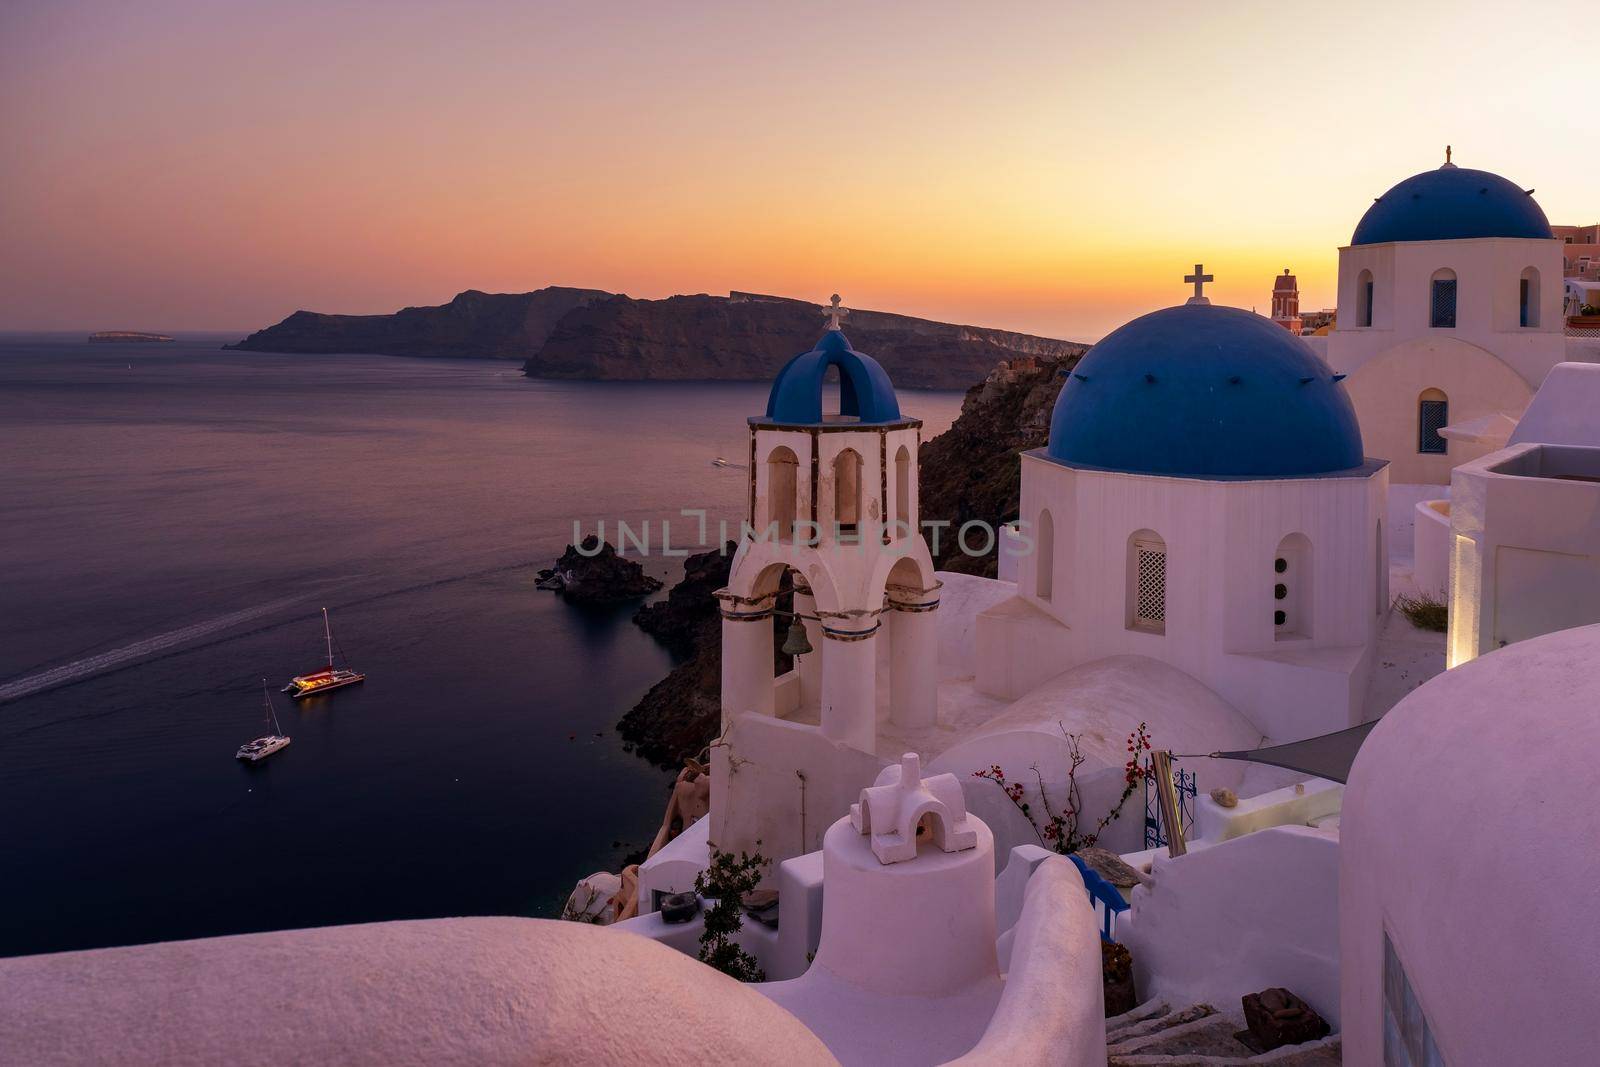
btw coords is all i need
(1156, 1035)
(1165, 1020)
(1209, 1034)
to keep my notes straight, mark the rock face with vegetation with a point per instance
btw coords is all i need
(589, 334)
(473, 325)
(971, 471)
(597, 575)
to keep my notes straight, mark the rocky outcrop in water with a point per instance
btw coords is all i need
(680, 714)
(589, 334)
(971, 471)
(597, 575)
(684, 617)
(473, 325)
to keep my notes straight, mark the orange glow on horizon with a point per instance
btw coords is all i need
(1049, 168)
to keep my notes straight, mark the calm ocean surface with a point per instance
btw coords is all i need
(174, 517)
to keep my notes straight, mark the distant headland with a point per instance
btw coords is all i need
(560, 332)
(125, 336)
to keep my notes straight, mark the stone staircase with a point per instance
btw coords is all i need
(1156, 1035)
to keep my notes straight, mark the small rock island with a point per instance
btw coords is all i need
(126, 336)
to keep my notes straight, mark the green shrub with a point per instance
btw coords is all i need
(727, 881)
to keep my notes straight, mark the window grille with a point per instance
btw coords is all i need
(1150, 585)
(1432, 416)
(1407, 1038)
(1444, 303)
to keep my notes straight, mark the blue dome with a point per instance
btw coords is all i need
(865, 392)
(1449, 204)
(1205, 392)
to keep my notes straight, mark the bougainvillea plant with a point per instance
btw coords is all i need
(1062, 830)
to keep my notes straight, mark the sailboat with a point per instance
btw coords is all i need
(330, 677)
(262, 747)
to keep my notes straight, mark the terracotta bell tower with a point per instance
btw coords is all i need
(1286, 302)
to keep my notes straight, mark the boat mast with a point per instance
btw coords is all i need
(272, 712)
(328, 630)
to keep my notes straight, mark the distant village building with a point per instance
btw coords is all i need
(1286, 302)
(1580, 251)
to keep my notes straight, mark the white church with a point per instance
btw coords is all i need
(1206, 556)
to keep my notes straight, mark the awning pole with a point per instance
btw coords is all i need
(1167, 800)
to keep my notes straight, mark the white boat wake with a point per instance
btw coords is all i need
(84, 668)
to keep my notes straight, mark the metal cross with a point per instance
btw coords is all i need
(834, 313)
(1199, 278)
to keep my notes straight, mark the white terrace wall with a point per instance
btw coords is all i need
(1221, 540)
(1256, 911)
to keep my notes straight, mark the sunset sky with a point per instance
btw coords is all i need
(1052, 167)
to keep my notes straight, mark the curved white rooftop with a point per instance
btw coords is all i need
(1467, 838)
(439, 991)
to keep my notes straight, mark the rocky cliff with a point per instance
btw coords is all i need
(971, 471)
(588, 334)
(749, 338)
(473, 325)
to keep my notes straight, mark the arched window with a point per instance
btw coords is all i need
(1364, 298)
(1442, 305)
(1433, 415)
(1147, 582)
(1528, 298)
(1044, 567)
(782, 491)
(1291, 588)
(902, 493)
(847, 491)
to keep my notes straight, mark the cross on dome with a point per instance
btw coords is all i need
(1447, 162)
(833, 313)
(1199, 278)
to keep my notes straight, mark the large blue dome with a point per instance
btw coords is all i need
(1205, 392)
(865, 392)
(1449, 204)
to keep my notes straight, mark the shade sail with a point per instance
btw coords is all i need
(1329, 756)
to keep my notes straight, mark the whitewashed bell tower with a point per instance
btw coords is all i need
(833, 503)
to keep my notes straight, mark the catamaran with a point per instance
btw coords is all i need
(262, 747)
(330, 677)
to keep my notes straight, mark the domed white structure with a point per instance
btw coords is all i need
(1204, 501)
(1449, 310)
(1468, 877)
(485, 991)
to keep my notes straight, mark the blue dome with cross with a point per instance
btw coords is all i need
(1205, 392)
(1449, 204)
(865, 393)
